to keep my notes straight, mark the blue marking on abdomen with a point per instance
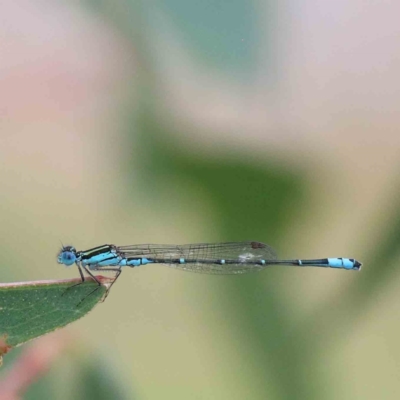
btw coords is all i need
(347, 263)
(222, 262)
(134, 262)
(182, 261)
(335, 262)
(131, 263)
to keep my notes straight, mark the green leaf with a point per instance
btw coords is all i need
(31, 309)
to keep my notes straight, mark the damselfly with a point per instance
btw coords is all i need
(219, 258)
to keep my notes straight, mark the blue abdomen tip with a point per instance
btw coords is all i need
(346, 263)
(335, 262)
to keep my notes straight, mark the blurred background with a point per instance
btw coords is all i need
(179, 122)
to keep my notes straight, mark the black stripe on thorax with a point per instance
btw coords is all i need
(106, 248)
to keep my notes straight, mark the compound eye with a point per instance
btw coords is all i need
(67, 258)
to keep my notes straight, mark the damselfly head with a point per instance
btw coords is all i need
(67, 255)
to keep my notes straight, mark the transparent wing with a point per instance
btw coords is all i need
(240, 257)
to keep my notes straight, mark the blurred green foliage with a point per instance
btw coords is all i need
(79, 375)
(221, 33)
(251, 200)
